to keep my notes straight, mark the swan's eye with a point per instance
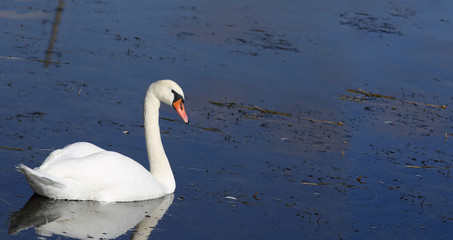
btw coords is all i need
(177, 96)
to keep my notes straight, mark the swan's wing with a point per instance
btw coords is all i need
(103, 166)
(42, 184)
(103, 176)
(75, 150)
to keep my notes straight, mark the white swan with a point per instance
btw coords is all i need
(83, 171)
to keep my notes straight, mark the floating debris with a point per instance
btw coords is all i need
(32, 60)
(257, 30)
(168, 119)
(255, 108)
(424, 167)
(312, 184)
(272, 112)
(217, 103)
(255, 196)
(12, 148)
(323, 121)
(359, 180)
(367, 22)
(368, 94)
(268, 111)
(230, 198)
(254, 118)
(331, 184)
(427, 104)
(348, 98)
(209, 129)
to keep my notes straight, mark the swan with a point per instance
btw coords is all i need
(83, 171)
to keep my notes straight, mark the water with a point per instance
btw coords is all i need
(77, 71)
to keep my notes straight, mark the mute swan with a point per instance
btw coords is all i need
(83, 171)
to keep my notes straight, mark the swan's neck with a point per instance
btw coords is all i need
(158, 162)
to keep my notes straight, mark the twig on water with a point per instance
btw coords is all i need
(12, 148)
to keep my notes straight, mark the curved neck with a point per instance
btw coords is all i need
(158, 162)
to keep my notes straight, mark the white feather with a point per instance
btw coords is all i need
(83, 171)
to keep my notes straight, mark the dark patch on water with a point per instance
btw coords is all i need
(364, 21)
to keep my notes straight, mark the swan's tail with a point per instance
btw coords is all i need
(42, 184)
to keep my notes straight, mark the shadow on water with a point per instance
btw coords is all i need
(88, 219)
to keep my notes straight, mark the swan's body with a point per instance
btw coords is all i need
(83, 171)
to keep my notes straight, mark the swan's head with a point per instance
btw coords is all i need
(169, 92)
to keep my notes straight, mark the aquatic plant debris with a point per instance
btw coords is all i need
(427, 104)
(168, 119)
(230, 198)
(369, 94)
(367, 22)
(330, 184)
(199, 127)
(209, 129)
(359, 180)
(12, 148)
(217, 103)
(255, 107)
(33, 60)
(424, 167)
(272, 112)
(255, 196)
(323, 121)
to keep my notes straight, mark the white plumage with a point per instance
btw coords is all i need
(83, 171)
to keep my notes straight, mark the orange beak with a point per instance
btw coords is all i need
(179, 107)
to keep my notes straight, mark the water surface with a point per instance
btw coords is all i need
(309, 119)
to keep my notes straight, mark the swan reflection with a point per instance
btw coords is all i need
(89, 219)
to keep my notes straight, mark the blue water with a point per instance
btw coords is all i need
(242, 171)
